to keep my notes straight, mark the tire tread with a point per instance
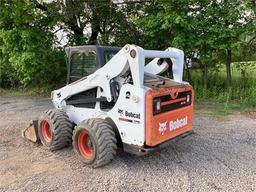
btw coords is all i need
(105, 138)
(61, 130)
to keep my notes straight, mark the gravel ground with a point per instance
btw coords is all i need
(219, 156)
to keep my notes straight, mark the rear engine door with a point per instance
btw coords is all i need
(169, 113)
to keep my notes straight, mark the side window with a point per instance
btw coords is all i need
(82, 64)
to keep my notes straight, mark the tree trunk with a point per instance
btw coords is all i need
(205, 76)
(95, 23)
(78, 35)
(188, 74)
(228, 67)
(94, 35)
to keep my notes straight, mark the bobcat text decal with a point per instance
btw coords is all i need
(173, 125)
(128, 114)
(178, 123)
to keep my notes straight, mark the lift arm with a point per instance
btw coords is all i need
(177, 58)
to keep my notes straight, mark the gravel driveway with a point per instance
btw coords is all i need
(219, 156)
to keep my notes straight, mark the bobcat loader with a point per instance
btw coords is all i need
(115, 98)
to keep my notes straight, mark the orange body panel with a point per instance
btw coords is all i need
(164, 126)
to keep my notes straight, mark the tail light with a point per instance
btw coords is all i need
(166, 103)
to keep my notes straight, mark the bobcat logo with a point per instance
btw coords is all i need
(120, 111)
(162, 127)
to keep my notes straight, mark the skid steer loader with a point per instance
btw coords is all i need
(113, 99)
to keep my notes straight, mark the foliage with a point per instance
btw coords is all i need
(27, 54)
(212, 29)
(242, 93)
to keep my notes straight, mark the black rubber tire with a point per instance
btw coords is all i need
(103, 139)
(60, 127)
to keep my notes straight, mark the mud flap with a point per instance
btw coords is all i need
(31, 132)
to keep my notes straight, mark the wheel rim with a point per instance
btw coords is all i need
(46, 131)
(85, 145)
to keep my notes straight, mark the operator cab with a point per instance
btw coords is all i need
(85, 60)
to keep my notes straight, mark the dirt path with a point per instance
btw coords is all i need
(220, 156)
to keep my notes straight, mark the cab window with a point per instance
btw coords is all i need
(82, 64)
(108, 55)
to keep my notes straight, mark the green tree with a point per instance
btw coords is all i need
(214, 29)
(26, 47)
(223, 24)
(87, 21)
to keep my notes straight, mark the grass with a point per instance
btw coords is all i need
(25, 92)
(239, 97)
(218, 109)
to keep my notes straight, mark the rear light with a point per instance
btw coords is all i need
(166, 103)
(158, 105)
(188, 98)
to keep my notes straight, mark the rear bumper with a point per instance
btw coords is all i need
(140, 151)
